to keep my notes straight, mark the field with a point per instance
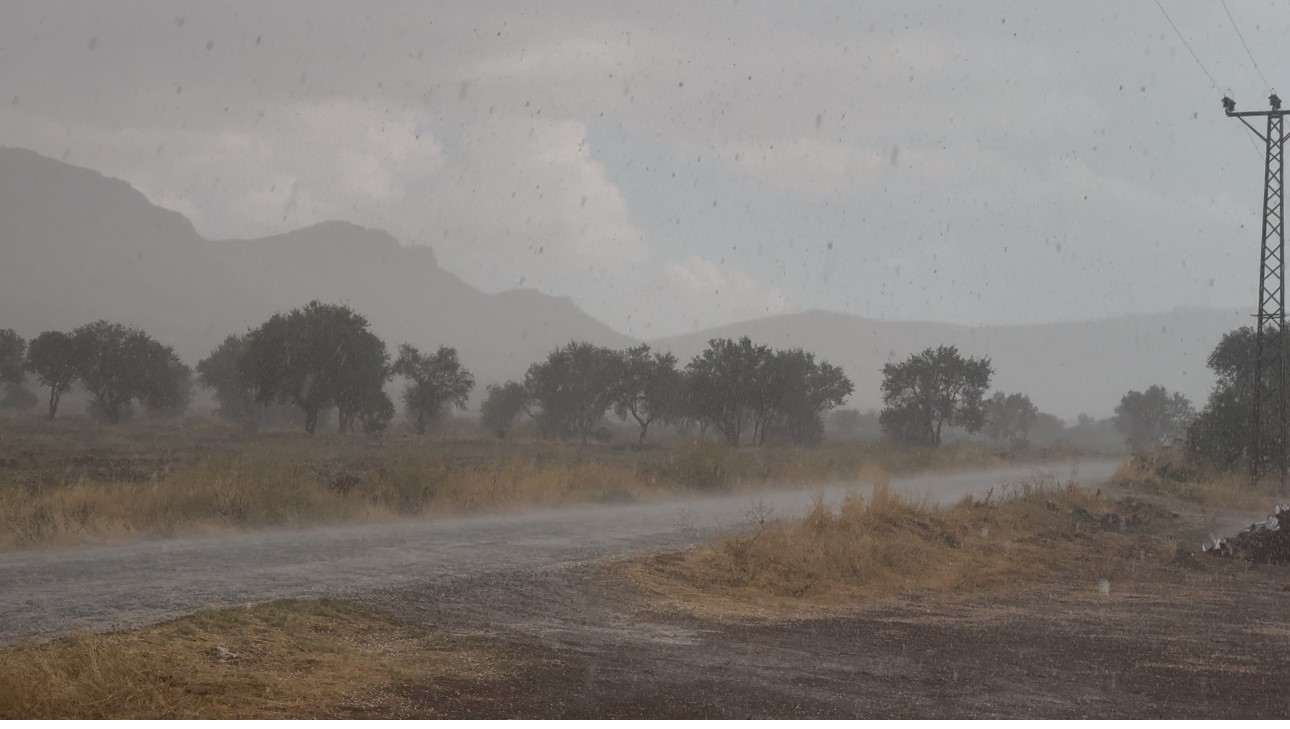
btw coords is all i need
(1036, 598)
(1046, 600)
(69, 482)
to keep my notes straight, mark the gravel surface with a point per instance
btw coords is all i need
(48, 593)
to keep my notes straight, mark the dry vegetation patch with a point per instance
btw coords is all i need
(1169, 473)
(887, 545)
(71, 483)
(302, 659)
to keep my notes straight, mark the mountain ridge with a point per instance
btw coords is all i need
(77, 245)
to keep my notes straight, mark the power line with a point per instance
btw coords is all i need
(1243, 43)
(1198, 61)
(1188, 47)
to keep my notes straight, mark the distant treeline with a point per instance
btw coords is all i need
(324, 358)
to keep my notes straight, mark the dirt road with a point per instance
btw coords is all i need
(48, 593)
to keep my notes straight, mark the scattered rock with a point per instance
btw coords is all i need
(1266, 542)
(223, 654)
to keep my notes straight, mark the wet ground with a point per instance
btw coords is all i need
(1176, 641)
(47, 593)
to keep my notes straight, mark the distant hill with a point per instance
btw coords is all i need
(1066, 368)
(77, 246)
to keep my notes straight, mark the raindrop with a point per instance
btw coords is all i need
(94, 42)
(210, 45)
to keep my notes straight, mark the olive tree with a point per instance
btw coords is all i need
(314, 357)
(501, 406)
(723, 385)
(1152, 417)
(932, 389)
(438, 382)
(54, 359)
(221, 371)
(794, 393)
(573, 388)
(1009, 417)
(650, 388)
(120, 365)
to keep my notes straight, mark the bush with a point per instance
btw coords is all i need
(700, 465)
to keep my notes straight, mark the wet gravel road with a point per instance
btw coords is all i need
(47, 593)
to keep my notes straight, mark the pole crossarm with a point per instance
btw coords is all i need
(1274, 112)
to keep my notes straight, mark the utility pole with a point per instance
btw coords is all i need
(1270, 357)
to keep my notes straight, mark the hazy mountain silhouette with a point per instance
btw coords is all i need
(1067, 368)
(77, 246)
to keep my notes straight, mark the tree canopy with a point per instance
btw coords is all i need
(503, 404)
(1152, 417)
(932, 389)
(121, 365)
(1009, 417)
(573, 388)
(222, 372)
(318, 356)
(437, 382)
(725, 385)
(650, 388)
(1221, 432)
(54, 359)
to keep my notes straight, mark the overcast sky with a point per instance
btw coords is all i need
(671, 166)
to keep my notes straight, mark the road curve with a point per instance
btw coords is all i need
(47, 593)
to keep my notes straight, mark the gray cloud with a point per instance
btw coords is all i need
(680, 165)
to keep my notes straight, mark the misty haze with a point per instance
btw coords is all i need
(642, 360)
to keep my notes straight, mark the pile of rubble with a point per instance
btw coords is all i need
(1266, 541)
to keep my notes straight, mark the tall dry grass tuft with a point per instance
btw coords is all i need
(1172, 473)
(885, 545)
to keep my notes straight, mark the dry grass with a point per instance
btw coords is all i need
(886, 545)
(1169, 473)
(69, 482)
(304, 659)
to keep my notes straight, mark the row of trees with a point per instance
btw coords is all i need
(939, 388)
(742, 390)
(119, 366)
(322, 356)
